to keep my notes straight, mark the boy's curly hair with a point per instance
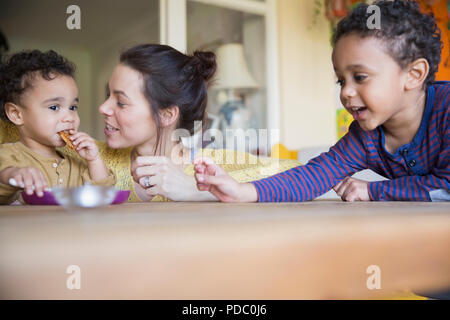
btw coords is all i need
(408, 33)
(18, 71)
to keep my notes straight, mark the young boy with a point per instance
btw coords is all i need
(402, 118)
(38, 94)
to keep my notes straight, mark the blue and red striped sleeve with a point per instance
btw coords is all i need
(319, 175)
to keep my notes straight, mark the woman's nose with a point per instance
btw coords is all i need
(105, 109)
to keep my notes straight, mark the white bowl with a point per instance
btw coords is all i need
(87, 196)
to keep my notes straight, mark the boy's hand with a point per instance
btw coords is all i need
(213, 178)
(84, 145)
(29, 178)
(351, 189)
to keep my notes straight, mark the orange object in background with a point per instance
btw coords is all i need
(279, 151)
(440, 10)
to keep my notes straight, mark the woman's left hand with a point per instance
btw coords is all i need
(164, 178)
(351, 189)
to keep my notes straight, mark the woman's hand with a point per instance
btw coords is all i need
(159, 175)
(29, 178)
(351, 189)
(84, 145)
(213, 178)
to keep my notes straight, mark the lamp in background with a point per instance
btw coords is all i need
(233, 79)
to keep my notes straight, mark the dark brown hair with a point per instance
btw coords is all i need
(172, 78)
(408, 33)
(17, 73)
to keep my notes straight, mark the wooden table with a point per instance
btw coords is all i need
(312, 250)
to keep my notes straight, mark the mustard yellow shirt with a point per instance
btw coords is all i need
(70, 171)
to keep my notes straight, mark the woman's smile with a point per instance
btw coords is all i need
(110, 130)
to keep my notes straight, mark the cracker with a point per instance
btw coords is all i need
(65, 136)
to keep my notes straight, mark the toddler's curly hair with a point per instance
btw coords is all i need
(408, 33)
(18, 71)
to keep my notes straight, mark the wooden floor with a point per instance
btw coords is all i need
(311, 250)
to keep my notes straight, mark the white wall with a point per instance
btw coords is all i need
(106, 57)
(306, 76)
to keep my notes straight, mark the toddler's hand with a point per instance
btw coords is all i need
(29, 178)
(351, 189)
(213, 178)
(84, 145)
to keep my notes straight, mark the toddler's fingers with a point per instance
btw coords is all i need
(86, 144)
(19, 180)
(44, 182)
(13, 182)
(78, 138)
(38, 182)
(74, 135)
(29, 183)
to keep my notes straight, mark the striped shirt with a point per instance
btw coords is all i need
(417, 171)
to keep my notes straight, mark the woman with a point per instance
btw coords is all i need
(154, 91)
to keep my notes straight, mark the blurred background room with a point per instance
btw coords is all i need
(274, 57)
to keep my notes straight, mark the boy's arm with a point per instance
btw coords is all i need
(322, 173)
(301, 183)
(412, 188)
(213, 178)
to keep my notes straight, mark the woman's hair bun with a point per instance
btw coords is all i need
(206, 64)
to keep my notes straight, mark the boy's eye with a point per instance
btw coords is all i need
(340, 82)
(54, 107)
(360, 78)
(120, 104)
(74, 108)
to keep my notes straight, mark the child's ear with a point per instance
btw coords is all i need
(417, 73)
(169, 116)
(14, 113)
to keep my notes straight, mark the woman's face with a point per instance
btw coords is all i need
(128, 118)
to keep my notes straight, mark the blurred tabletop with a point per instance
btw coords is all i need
(312, 250)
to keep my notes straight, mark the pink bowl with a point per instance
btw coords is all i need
(49, 200)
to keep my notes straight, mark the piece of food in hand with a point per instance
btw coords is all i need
(65, 136)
